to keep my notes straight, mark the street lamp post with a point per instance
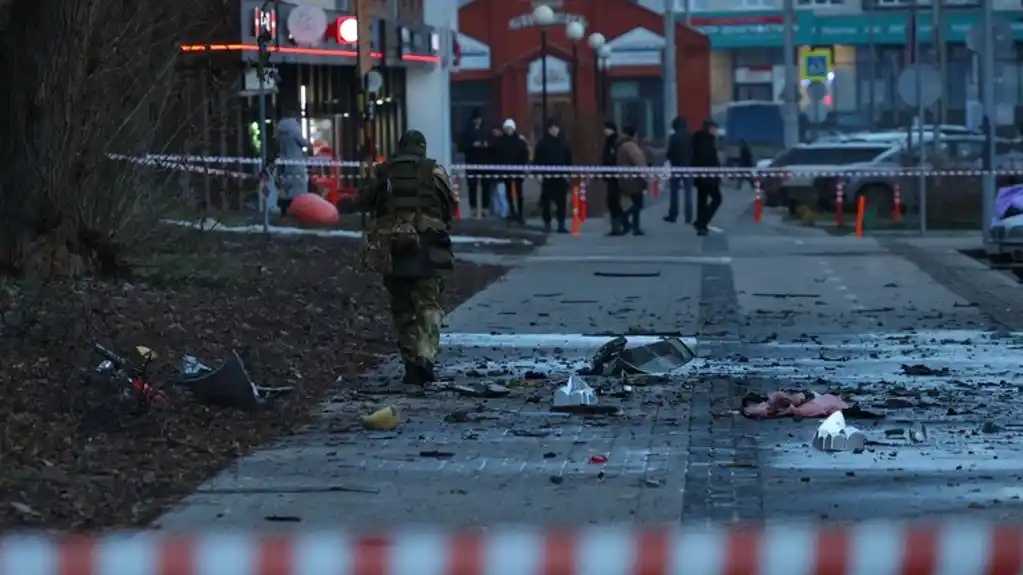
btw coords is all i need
(597, 41)
(544, 16)
(575, 32)
(604, 62)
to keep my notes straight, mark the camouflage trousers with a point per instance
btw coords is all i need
(417, 315)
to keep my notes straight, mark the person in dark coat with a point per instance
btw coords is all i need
(474, 143)
(679, 156)
(609, 157)
(511, 149)
(746, 160)
(708, 188)
(553, 150)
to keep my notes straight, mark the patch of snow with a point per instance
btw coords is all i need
(211, 225)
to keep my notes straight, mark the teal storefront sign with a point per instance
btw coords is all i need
(765, 28)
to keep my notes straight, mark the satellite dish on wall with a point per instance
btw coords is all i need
(307, 25)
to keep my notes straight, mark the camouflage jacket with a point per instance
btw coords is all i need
(431, 232)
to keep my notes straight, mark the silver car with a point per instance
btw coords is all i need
(813, 165)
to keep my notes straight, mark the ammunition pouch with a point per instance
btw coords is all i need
(431, 257)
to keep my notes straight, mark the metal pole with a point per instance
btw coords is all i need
(575, 83)
(910, 58)
(543, 71)
(791, 108)
(988, 79)
(920, 112)
(941, 54)
(872, 65)
(263, 143)
(670, 78)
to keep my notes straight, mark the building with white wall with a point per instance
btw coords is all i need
(428, 100)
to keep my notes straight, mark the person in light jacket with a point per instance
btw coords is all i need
(630, 154)
(291, 147)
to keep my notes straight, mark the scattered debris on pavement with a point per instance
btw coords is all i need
(575, 392)
(227, 385)
(923, 370)
(792, 404)
(664, 356)
(916, 432)
(131, 378)
(605, 355)
(482, 390)
(384, 419)
(834, 434)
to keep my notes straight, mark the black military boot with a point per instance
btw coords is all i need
(419, 372)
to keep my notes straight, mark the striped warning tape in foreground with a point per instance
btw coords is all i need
(872, 548)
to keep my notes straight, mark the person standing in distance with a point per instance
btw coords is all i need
(553, 150)
(512, 150)
(679, 156)
(630, 154)
(291, 147)
(474, 143)
(409, 244)
(609, 158)
(708, 187)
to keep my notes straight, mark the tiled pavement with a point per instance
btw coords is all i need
(771, 308)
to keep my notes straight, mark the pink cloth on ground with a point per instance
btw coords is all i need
(785, 404)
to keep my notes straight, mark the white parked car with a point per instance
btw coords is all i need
(809, 161)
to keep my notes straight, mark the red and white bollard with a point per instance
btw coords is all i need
(897, 202)
(758, 201)
(839, 202)
(458, 196)
(582, 199)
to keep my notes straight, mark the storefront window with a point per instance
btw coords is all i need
(637, 102)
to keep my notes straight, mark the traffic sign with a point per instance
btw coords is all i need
(928, 82)
(816, 66)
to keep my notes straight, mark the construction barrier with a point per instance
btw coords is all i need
(845, 184)
(758, 201)
(582, 199)
(839, 202)
(576, 210)
(502, 171)
(861, 209)
(871, 548)
(896, 202)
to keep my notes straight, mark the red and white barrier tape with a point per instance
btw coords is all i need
(872, 548)
(499, 171)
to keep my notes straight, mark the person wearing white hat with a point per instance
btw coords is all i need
(511, 149)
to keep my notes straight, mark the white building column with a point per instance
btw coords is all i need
(428, 91)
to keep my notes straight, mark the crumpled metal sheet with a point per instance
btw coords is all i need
(664, 356)
(228, 385)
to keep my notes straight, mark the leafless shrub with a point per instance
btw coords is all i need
(84, 80)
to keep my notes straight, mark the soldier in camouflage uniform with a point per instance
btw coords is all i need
(409, 243)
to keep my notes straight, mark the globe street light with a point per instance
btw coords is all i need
(575, 31)
(544, 16)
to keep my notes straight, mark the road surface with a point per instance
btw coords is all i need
(767, 306)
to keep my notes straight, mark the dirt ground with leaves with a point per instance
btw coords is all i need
(299, 311)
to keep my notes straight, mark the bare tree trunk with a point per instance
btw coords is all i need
(83, 80)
